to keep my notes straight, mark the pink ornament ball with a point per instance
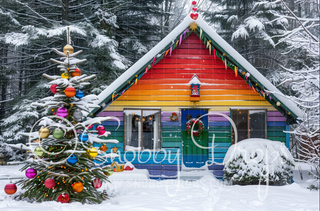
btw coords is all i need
(31, 173)
(10, 189)
(101, 130)
(62, 112)
(97, 183)
(50, 183)
(53, 88)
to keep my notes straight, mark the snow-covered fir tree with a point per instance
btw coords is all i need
(61, 164)
(29, 29)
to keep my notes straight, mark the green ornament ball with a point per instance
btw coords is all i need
(38, 152)
(58, 133)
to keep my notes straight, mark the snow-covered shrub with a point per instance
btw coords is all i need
(254, 160)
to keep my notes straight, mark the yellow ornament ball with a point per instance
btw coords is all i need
(92, 152)
(44, 132)
(68, 48)
(65, 75)
(77, 187)
(278, 103)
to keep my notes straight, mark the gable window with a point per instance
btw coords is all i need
(250, 123)
(142, 129)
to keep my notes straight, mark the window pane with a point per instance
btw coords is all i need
(150, 120)
(133, 128)
(240, 118)
(257, 123)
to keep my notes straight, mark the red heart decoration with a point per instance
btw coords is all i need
(194, 16)
(194, 9)
(194, 2)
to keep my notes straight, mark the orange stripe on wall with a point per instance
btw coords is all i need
(186, 98)
(131, 92)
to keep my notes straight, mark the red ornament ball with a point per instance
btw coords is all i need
(101, 130)
(77, 72)
(97, 183)
(63, 198)
(53, 88)
(70, 91)
(50, 183)
(10, 189)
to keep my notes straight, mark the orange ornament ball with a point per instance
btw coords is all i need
(103, 148)
(77, 187)
(70, 91)
(77, 72)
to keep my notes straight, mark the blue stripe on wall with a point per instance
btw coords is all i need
(276, 124)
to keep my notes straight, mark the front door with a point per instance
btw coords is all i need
(193, 156)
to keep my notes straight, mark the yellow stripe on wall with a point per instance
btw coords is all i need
(190, 104)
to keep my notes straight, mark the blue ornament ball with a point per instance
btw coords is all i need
(72, 159)
(79, 94)
(83, 137)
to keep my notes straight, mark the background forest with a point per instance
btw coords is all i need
(279, 37)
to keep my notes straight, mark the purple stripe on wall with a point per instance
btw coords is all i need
(167, 119)
(221, 112)
(111, 113)
(217, 119)
(168, 113)
(276, 119)
(274, 113)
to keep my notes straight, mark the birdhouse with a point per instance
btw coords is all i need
(117, 167)
(195, 88)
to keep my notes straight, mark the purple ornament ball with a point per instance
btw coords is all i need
(62, 112)
(31, 173)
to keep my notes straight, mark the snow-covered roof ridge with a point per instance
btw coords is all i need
(169, 39)
(145, 59)
(251, 69)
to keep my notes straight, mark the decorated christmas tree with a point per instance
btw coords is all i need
(66, 153)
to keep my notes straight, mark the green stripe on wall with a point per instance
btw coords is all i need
(120, 139)
(171, 133)
(170, 144)
(281, 139)
(171, 139)
(275, 134)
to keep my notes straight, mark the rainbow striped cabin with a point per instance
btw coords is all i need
(156, 100)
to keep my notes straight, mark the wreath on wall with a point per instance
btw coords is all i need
(174, 116)
(197, 129)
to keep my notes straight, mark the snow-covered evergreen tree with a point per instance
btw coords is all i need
(29, 29)
(61, 166)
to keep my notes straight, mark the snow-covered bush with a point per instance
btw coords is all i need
(258, 160)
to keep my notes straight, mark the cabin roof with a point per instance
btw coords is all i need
(222, 49)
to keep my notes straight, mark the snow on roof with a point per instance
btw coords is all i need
(194, 80)
(222, 43)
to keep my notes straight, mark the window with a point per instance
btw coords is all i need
(142, 129)
(250, 123)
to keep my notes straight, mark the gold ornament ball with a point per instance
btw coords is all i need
(44, 132)
(65, 75)
(278, 103)
(68, 48)
(92, 152)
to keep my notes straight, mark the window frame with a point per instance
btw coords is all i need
(248, 119)
(141, 129)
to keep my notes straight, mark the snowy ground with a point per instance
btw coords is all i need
(134, 191)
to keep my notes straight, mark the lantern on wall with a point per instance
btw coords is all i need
(195, 88)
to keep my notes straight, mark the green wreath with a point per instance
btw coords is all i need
(174, 116)
(197, 129)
